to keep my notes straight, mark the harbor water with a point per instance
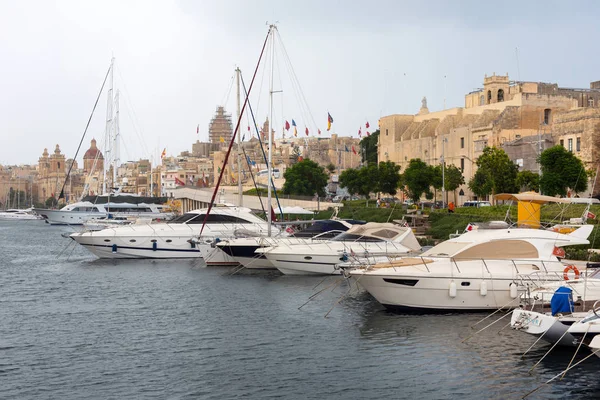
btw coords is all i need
(73, 327)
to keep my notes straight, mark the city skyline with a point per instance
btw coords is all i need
(175, 63)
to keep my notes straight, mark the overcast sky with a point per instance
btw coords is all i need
(175, 60)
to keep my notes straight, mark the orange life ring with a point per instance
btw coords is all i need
(573, 268)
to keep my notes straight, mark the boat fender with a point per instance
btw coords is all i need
(193, 244)
(483, 288)
(512, 288)
(154, 246)
(114, 248)
(344, 257)
(217, 240)
(569, 268)
(452, 292)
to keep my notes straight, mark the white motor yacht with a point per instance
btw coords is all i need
(474, 271)
(242, 250)
(13, 214)
(322, 258)
(174, 239)
(80, 212)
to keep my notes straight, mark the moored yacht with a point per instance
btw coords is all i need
(13, 214)
(242, 250)
(322, 258)
(475, 271)
(174, 239)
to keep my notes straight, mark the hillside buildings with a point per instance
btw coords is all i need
(524, 118)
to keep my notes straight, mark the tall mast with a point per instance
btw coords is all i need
(107, 131)
(269, 160)
(239, 141)
(116, 138)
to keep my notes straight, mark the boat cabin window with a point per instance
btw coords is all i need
(212, 218)
(85, 209)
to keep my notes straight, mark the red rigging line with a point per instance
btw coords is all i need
(235, 132)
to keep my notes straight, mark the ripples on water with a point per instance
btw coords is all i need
(75, 327)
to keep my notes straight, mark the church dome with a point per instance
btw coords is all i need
(93, 152)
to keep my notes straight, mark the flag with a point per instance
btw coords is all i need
(192, 180)
(346, 148)
(368, 134)
(367, 125)
(329, 121)
(306, 131)
(219, 170)
(293, 123)
(353, 149)
(360, 132)
(198, 129)
(221, 139)
(273, 217)
(163, 154)
(319, 131)
(591, 215)
(179, 182)
(300, 158)
(232, 176)
(287, 126)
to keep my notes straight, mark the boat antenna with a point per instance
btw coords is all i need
(62, 190)
(235, 132)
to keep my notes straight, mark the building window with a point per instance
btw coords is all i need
(462, 165)
(547, 115)
(562, 143)
(386, 132)
(578, 144)
(500, 95)
(462, 142)
(590, 102)
(570, 145)
(489, 97)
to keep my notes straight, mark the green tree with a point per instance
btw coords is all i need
(305, 178)
(51, 202)
(561, 170)
(417, 179)
(481, 184)
(331, 168)
(350, 180)
(369, 180)
(527, 180)
(388, 177)
(499, 169)
(453, 179)
(368, 147)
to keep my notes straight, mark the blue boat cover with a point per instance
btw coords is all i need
(562, 301)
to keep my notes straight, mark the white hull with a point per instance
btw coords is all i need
(19, 217)
(551, 329)
(300, 264)
(414, 293)
(218, 258)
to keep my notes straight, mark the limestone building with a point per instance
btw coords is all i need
(524, 118)
(220, 128)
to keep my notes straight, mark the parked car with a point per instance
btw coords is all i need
(476, 204)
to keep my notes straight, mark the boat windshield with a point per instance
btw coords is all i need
(349, 237)
(212, 219)
(445, 249)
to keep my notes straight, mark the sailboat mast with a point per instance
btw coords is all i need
(107, 132)
(116, 138)
(270, 158)
(239, 142)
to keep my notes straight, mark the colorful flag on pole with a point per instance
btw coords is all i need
(319, 131)
(329, 121)
(346, 148)
(287, 126)
(368, 134)
(360, 132)
(367, 125)
(295, 130)
(306, 131)
(179, 182)
(353, 149)
(163, 154)
(198, 129)
(221, 139)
